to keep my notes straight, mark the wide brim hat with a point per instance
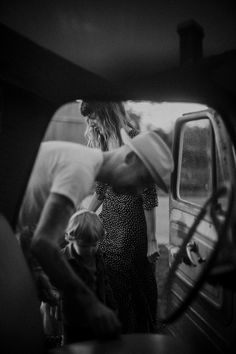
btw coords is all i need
(155, 155)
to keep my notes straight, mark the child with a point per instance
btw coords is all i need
(83, 234)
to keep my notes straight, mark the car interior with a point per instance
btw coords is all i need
(58, 52)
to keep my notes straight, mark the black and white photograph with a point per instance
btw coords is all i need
(117, 177)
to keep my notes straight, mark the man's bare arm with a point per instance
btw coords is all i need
(48, 235)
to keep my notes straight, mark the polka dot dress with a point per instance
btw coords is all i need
(125, 247)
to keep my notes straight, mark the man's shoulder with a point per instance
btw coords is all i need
(58, 151)
(57, 144)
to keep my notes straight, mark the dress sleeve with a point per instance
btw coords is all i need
(150, 197)
(100, 189)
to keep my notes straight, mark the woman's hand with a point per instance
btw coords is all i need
(153, 252)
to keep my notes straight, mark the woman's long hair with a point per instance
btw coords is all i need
(111, 117)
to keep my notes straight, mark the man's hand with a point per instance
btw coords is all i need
(47, 293)
(153, 252)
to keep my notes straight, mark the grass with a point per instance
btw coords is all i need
(162, 269)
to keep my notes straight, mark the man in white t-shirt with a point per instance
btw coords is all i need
(62, 176)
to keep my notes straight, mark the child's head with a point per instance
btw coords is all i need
(85, 230)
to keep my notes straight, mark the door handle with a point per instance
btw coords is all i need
(192, 247)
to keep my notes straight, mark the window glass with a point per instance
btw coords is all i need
(195, 182)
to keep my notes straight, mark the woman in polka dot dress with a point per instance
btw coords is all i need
(130, 247)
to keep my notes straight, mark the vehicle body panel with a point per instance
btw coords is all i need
(211, 317)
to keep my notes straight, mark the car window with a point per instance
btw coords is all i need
(196, 154)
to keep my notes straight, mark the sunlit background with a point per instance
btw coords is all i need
(160, 115)
(68, 123)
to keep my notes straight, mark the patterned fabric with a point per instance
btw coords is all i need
(131, 275)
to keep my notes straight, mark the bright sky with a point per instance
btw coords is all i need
(161, 115)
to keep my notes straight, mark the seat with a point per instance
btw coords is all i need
(21, 323)
(20, 320)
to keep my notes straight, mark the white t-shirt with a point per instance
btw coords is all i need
(61, 167)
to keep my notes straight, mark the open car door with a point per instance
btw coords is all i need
(204, 162)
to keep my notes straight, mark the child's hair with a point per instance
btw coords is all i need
(85, 225)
